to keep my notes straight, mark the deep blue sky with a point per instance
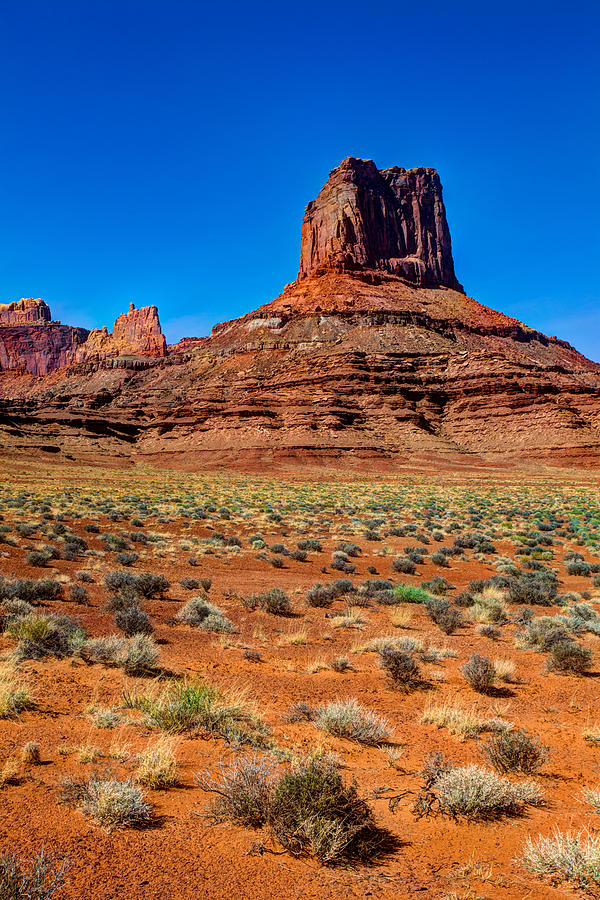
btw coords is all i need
(164, 151)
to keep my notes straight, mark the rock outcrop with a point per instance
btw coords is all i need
(30, 342)
(135, 333)
(24, 312)
(373, 357)
(391, 220)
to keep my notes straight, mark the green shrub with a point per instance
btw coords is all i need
(515, 751)
(407, 593)
(198, 706)
(309, 809)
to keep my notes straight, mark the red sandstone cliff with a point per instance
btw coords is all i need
(31, 342)
(373, 355)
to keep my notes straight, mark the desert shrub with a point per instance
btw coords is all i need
(313, 810)
(202, 614)
(445, 616)
(276, 602)
(137, 655)
(489, 606)
(31, 590)
(515, 751)
(471, 792)
(83, 575)
(206, 584)
(39, 558)
(198, 706)
(36, 879)
(535, 589)
(543, 632)
(110, 802)
(77, 593)
(480, 673)
(578, 567)
(310, 544)
(569, 658)
(437, 586)
(440, 559)
(407, 593)
(157, 765)
(131, 587)
(126, 558)
(133, 620)
(276, 562)
(41, 635)
(349, 548)
(190, 584)
(404, 565)
(323, 595)
(299, 712)
(244, 793)
(346, 718)
(401, 667)
(564, 857)
(489, 631)
(299, 555)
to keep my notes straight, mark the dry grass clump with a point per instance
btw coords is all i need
(471, 792)
(38, 879)
(9, 773)
(460, 720)
(489, 606)
(400, 617)
(137, 655)
(565, 857)
(110, 802)
(103, 716)
(14, 694)
(505, 670)
(157, 765)
(30, 755)
(346, 718)
(351, 618)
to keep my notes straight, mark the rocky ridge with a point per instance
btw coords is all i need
(374, 356)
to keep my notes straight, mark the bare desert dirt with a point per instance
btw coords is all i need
(240, 531)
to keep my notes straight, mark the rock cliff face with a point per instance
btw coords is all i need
(24, 312)
(373, 357)
(391, 220)
(30, 342)
(135, 333)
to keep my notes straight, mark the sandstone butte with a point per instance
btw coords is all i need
(373, 357)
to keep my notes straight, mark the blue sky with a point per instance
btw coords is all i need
(164, 152)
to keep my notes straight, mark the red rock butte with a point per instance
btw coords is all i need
(374, 357)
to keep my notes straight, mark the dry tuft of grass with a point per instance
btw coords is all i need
(460, 720)
(157, 765)
(400, 617)
(346, 718)
(564, 857)
(14, 693)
